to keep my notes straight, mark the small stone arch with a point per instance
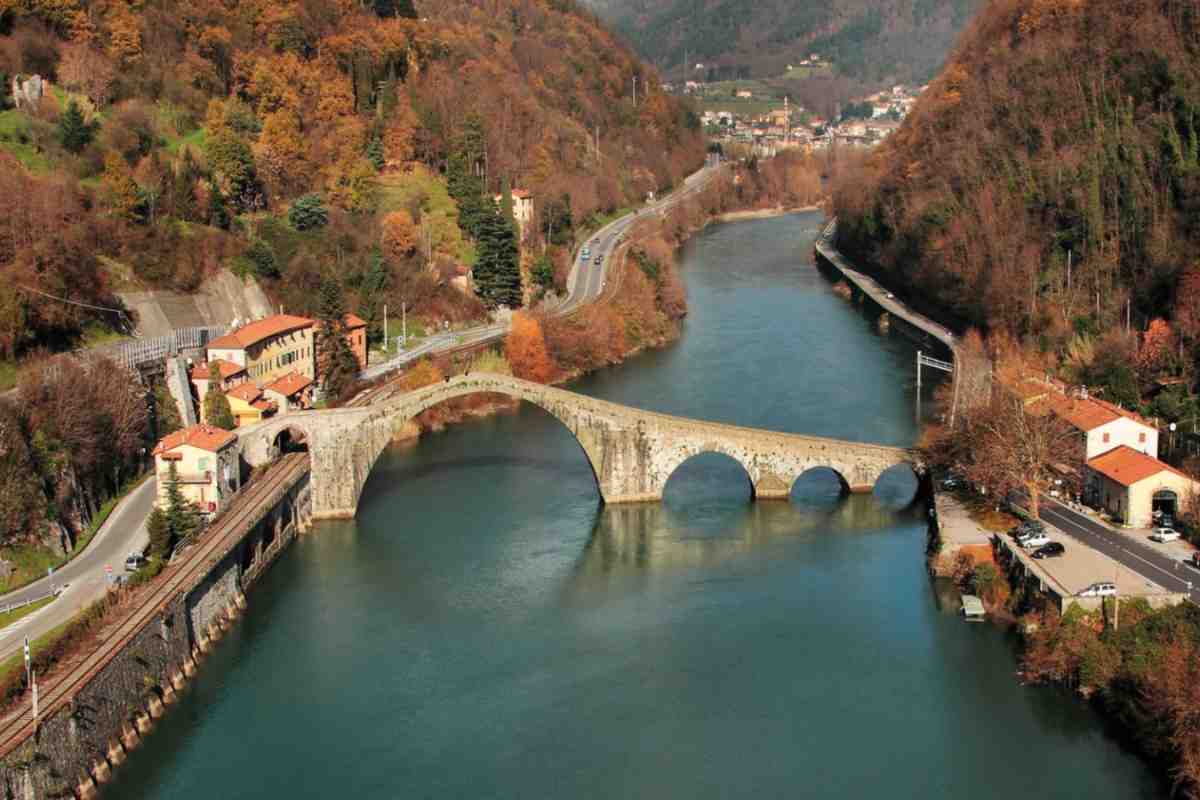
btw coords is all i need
(819, 485)
(708, 449)
(898, 486)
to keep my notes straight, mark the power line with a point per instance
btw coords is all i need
(71, 302)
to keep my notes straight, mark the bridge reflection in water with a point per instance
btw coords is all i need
(707, 518)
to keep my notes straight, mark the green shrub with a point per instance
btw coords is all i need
(308, 212)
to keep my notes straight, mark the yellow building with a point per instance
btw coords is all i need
(206, 466)
(1135, 488)
(249, 405)
(270, 348)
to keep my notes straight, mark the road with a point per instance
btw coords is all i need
(585, 283)
(122, 532)
(1141, 558)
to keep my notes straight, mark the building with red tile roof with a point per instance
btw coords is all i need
(231, 375)
(206, 467)
(1132, 486)
(291, 392)
(356, 337)
(270, 347)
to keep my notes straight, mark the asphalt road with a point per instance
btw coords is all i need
(585, 283)
(1141, 558)
(122, 532)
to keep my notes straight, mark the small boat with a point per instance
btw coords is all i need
(972, 608)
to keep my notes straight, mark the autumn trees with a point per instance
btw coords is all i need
(525, 349)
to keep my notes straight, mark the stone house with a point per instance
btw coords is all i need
(206, 465)
(522, 208)
(1133, 487)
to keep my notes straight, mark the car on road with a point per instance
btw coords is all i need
(1193, 560)
(1034, 541)
(62, 587)
(891, 296)
(1101, 589)
(1050, 550)
(1164, 535)
(598, 260)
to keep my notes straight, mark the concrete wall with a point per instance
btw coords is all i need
(220, 300)
(79, 745)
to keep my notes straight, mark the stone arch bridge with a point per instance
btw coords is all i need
(632, 452)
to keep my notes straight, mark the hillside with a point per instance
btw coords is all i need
(1046, 184)
(870, 41)
(175, 137)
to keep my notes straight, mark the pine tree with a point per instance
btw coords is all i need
(74, 132)
(375, 153)
(183, 189)
(497, 268)
(506, 201)
(159, 531)
(216, 405)
(182, 517)
(375, 284)
(337, 365)
(405, 9)
(218, 211)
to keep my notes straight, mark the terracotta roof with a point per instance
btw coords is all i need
(227, 369)
(1127, 466)
(265, 405)
(289, 384)
(247, 392)
(1084, 414)
(251, 334)
(354, 322)
(204, 437)
(1124, 412)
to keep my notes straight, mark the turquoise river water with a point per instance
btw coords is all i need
(485, 628)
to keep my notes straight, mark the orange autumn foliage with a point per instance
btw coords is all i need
(525, 349)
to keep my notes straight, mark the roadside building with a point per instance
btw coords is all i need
(206, 466)
(1104, 426)
(269, 348)
(292, 392)
(249, 405)
(1134, 487)
(356, 337)
(231, 375)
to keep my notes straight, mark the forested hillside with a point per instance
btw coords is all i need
(867, 40)
(1047, 186)
(302, 140)
(334, 149)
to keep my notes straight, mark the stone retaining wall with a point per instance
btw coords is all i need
(77, 747)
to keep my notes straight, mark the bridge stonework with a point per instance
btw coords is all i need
(632, 452)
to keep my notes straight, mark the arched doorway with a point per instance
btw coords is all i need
(1164, 506)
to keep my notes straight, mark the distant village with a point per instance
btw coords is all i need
(864, 122)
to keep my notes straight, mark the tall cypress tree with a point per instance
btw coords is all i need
(216, 405)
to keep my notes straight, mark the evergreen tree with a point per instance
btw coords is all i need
(375, 153)
(308, 212)
(506, 201)
(394, 8)
(375, 283)
(74, 132)
(497, 268)
(216, 405)
(183, 189)
(159, 531)
(405, 8)
(467, 190)
(182, 517)
(218, 210)
(335, 360)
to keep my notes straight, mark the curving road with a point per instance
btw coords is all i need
(122, 532)
(585, 283)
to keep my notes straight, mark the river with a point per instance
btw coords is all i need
(485, 628)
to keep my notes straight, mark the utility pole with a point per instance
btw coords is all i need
(635, 90)
(404, 325)
(385, 328)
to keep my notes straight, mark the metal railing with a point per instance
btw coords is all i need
(145, 351)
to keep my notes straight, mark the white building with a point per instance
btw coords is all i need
(1105, 426)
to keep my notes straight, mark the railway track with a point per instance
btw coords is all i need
(213, 546)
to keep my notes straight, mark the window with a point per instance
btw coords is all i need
(1106, 438)
(1142, 436)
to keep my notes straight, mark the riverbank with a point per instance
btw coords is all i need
(763, 213)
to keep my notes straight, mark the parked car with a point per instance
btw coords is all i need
(1164, 535)
(1035, 541)
(134, 561)
(598, 261)
(1051, 550)
(951, 482)
(1102, 589)
(1030, 526)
